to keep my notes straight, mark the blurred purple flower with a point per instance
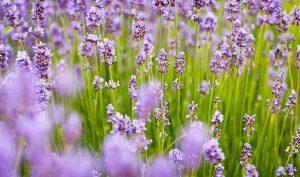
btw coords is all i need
(162, 167)
(72, 128)
(118, 160)
(193, 139)
(149, 95)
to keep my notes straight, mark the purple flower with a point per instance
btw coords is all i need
(291, 102)
(107, 51)
(23, 63)
(118, 160)
(67, 82)
(8, 152)
(159, 6)
(193, 139)
(162, 114)
(212, 151)
(98, 83)
(180, 63)
(72, 128)
(162, 167)
(94, 17)
(149, 95)
(246, 154)
(251, 171)
(204, 87)
(232, 10)
(192, 111)
(17, 94)
(200, 3)
(141, 57)
(42, 60)
(120, 124)
(209, 22)
(162, 60)
(219, 170)
(132, 87)
(177, 157)
(139, 143)
(139, 26)
(295, 143)
(249, 124)
(295, 16)
(75, 164)
(3, 57)
(38, 12)
(13, 15)
(290, 170)
(280, 171)
(43, 94)
(86, 48)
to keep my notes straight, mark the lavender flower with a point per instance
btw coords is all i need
(219, 62)
(139, 143)
(13, 15)
(162, 167)
(204, 87)
(291, 102)
(120, 124)
(290, 170)
(209, 23)
(86, 48)
(193, 139)
(76, 164)
(132, 87)
(295, 16)
(232, 10)
(139, 26)
(149, 96)
(280, 171)
(138, 126)
(3, 57)
(72, 128)
(212, 151)
(22, 62)
(177, 157)
(163, 62)
(98, 83)
(192, 112)
(8, 152)
(43, 94)
(180, 63)
(246, 154)
(67, 83)
(216, 121)
(249, 124)
(42, 60)
(159, 6)
(200, 3)
(38, 12)
(141, 57)
(251, 171)
(279, 87)
(107, 51)
(118, 160)
(177, 84)
(162, 114)
(219, 170)
(94, 17)
(148, 48)
(112, 84)
(295, 142)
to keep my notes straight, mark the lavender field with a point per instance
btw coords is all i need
(149, 88)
